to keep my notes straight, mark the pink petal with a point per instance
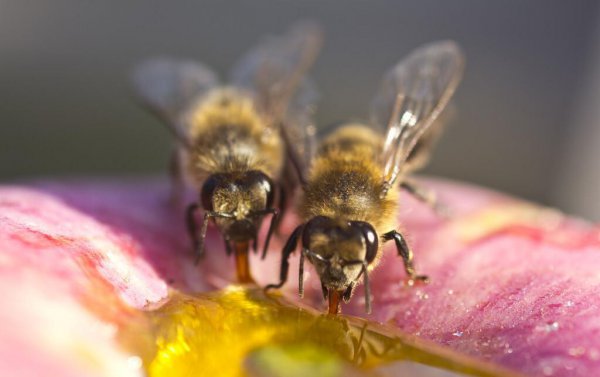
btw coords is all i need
(511, 282)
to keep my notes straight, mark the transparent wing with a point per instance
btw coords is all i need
(275, 72)
(168, 86)
(420, 154)
(411, 98)
(299, 130)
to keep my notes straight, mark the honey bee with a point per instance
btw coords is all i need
(350, 203)
(228, 138)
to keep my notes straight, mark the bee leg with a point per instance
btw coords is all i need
(301, 274)
(274, 221)
(197, 239)
(203, 229)
(282, 205)
(407, 256)
(288, 249)
(426, 196)
(176, 175)
(255, 244)
(367, 288)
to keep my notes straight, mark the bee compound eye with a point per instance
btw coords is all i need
(370, 237)
(269, 190)
(260, 179)
(320, 224)
(208, 190)
(316, 225)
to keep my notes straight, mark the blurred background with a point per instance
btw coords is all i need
(528, 120)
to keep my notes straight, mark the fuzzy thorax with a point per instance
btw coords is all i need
(346, 180)
(230, 134)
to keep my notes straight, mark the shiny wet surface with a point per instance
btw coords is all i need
(242, 332)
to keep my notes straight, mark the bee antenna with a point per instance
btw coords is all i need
(367, 289)
(301, 274)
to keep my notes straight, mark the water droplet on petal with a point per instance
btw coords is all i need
(569, 304)
(552, 326)
(421, 295)
(458, 334)
(576, 351)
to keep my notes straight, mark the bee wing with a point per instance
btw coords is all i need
(411, 98)
(299, 133)
(420, 154)
(275, 72)
(168, 86)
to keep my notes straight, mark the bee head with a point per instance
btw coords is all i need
(340, 251)
(240, 200)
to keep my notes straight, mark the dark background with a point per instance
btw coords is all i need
(65, 108)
